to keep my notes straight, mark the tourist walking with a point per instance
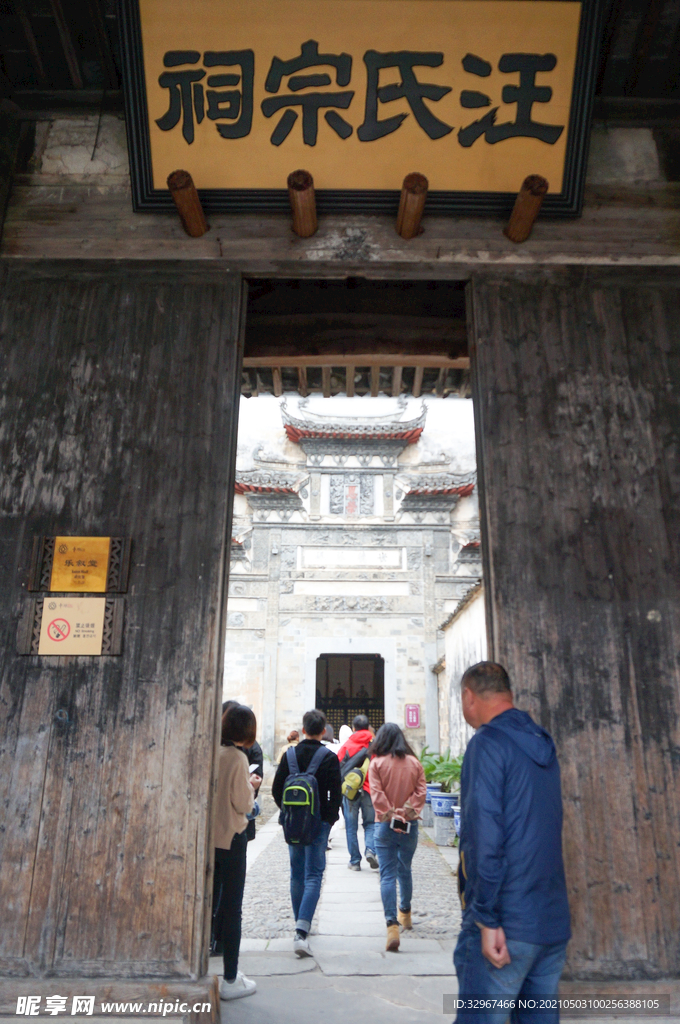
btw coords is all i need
(516, 925)
(308, 858)
(398, 794)
(234, 799)
(360, 739)
(292, 740)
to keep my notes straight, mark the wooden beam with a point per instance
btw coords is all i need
(431, 361)
(526, 208)
(354, 333)
(375, 379)
(349, 380)
(103, 43)
(396, 381)
(67, 44)
(277, 381)
(188, 203)
(418, 381)
(302, 381)
(326, 381)
(441, 381)
(31, 41)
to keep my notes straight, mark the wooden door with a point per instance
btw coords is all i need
(577, 387)
(119, 396)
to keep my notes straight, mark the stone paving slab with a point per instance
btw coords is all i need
(361, 943)
(357, 922)
(270, 964)
(315, 998)
(384, 964)
(339, 897)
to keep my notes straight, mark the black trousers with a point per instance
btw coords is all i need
(228, 885)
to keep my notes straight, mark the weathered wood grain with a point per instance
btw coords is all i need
(577, 379)
(636, 227)
(117, 413)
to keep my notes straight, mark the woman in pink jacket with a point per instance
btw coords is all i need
(398, 791)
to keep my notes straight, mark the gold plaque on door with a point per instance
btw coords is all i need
(80, 564)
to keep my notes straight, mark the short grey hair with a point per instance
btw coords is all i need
(486, 677)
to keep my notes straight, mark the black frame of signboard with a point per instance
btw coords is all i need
(567, 203)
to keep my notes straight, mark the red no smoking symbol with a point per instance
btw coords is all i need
(58, 629)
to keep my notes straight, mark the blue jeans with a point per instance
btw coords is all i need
(533, 972)
(350, 808)
(307, 865)
(395, 852)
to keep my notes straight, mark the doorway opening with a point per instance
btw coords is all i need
(350, 685)
(355, 581)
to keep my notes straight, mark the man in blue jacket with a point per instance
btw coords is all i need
(513, 941)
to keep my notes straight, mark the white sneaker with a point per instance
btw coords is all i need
(302, 948)
(241, 986)
(372, 860)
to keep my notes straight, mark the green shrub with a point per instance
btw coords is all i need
(442, 768)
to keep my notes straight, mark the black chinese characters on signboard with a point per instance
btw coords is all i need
(226, 98)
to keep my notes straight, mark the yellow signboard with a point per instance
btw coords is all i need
(475, 94)
(80, 564)
(72, 625)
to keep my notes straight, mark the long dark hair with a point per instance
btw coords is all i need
(391, 740)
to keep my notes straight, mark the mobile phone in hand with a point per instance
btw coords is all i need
(400, 826)
(254, 768)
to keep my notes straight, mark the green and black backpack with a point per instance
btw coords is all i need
(300, 814)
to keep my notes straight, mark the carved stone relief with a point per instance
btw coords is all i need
(414, 558)
(337, 485)
(288, 558)
(367, 494)
(350, 604)
(236, 619)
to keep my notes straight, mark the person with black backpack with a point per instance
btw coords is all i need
(307, 790)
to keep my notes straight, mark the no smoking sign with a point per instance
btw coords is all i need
(72, 625)
(58, 630)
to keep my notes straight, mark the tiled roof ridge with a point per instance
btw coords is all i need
(379, 428)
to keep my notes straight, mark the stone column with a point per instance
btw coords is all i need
(315, 496)
(388, 496)
(271, 645)
(430, 645)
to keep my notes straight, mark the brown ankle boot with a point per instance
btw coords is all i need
(392, 944)
(404, 918)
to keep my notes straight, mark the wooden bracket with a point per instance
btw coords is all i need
(525, 210)
(183, 191)
(302, 203)
(411, 205)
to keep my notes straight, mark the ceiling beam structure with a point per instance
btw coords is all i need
(354, 353)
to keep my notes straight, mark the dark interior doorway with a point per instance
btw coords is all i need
(351, 684)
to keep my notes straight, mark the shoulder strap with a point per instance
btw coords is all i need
(293, 768)
(316, 761)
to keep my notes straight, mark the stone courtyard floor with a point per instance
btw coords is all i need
(351, 979)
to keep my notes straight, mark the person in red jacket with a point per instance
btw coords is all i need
(361, 738)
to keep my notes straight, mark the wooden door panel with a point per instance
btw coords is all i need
(119, 412)
(577, 380)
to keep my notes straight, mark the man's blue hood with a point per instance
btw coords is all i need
(531, 738)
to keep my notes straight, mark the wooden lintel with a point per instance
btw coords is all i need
(396, 381)
(302, 381)
(418, 381)
(430, 362)
(277, 381)
(349, 380)
(326, 381)
(375, 379)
